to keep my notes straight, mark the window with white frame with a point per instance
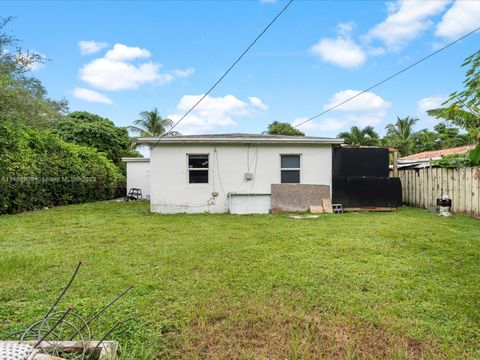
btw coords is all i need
(198, 169)
(290, 169)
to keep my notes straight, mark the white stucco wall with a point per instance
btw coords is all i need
(138, 176)
(171, 192)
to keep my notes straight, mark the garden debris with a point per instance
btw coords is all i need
(304, 216)
(327, 205)
(444, 211)
(62, 334)
(316, 209)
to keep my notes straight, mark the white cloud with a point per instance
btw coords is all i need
(122, 52)
(366, 119)
(324, 125)
(214, 112)
(345, 28)
(407, 19)
(340, 51)
(90, 96)
(375, 51)
(366, 102)
(183, 73)
(91, 47)
(461, 18)
(116, 72)
(430, 103)
(368, 109)
(255, 101)
(36, 66)
(117, 75)
(333, 125)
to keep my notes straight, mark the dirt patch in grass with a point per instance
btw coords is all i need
(272, 332)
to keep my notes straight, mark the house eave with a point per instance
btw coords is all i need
(155, 141)
(133, 159)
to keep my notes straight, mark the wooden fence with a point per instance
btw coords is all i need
(421, 188)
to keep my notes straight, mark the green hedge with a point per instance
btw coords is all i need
(38, 169)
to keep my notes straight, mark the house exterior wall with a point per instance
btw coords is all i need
(228, 164)
(138, 176)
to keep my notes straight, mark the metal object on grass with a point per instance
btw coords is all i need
(63, 334)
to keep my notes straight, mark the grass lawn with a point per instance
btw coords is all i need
(371, 285)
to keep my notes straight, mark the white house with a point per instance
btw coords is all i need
(138, 175)
(238, 173)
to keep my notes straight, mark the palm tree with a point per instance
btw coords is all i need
(402, 130)
(152, 124)
(356, 136)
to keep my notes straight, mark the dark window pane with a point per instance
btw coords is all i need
(291, 161)
(197, 161)
(198, 177)
(290, 176)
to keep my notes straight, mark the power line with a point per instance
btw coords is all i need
(228, 70)
(388, 78)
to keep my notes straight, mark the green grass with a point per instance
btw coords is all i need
(371, 285)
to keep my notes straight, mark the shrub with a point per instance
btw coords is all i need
(83, 128)
(38, 169)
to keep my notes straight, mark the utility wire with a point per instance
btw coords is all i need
(388, 78)
(227, 71)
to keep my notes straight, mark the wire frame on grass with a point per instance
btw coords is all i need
(50, 334)
(66, 334)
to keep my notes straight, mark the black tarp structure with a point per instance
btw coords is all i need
(360, 178)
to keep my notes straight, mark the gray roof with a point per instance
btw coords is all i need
(135, 159)
(239, 138)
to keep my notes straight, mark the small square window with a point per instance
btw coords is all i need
(198, 169)
(290, 169)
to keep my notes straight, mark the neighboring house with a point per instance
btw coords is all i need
(238, 173)
(423, 159)
(138, 175)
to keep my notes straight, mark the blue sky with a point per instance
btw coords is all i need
(119, 58)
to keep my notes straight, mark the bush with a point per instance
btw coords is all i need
(83, 128)
(38, 169)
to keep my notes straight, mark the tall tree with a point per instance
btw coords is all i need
(282, 128)
(425, 140)
(356, 136)
(23, 98)
(464, 119)
(450, 136)
(463, 108)
(84, 128)
(402, 129)
(151, 123)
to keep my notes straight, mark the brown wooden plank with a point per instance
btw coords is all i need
(461, 189)
(476, 191)
(373, 209)
(416, 189)
(430, 188)
(468, 190)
